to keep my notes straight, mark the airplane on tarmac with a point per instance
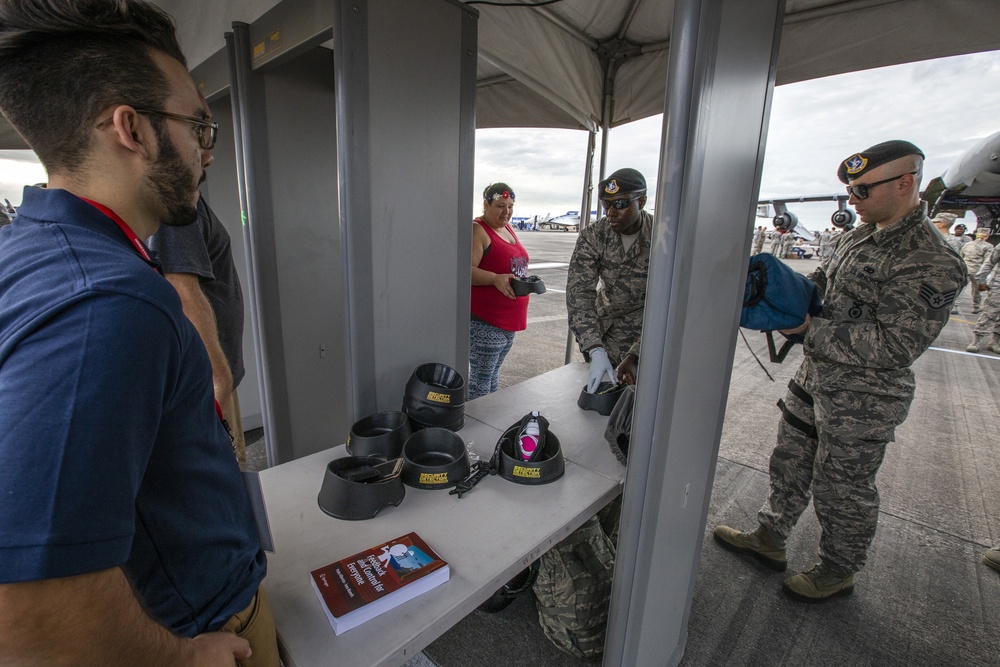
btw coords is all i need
(567, 222)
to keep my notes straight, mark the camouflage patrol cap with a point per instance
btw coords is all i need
(983, 231)
(887, 151)
(946, 218)
(623, 181)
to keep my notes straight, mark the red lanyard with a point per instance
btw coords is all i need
(143, 252)
(136, 242)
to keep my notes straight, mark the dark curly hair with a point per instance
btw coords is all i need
(63, 62)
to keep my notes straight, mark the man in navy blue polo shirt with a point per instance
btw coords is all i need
(126, 537)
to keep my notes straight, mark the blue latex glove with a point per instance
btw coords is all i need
(600, 366)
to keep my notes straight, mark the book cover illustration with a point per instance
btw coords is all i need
(378, 578)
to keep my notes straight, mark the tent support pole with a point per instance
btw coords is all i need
(723, 56)
(588, 187)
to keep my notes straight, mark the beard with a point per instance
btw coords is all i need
(173, 183)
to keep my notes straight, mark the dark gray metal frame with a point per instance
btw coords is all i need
(249, 124)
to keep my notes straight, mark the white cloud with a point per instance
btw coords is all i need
(17, 169)
(944, 106)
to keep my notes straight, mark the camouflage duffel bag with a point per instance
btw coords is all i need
(574, 591)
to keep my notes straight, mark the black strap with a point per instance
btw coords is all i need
(799, 392)
(777, 356)
(758, 284)
(796, 422)
(479, 470)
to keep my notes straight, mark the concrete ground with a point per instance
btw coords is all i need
(925, 597)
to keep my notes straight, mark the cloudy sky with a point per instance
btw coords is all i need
(944, 106)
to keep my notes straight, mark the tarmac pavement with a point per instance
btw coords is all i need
(925, 598)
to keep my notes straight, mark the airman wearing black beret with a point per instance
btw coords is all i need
(887, 151)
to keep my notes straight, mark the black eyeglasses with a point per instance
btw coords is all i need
(861, 191)
(618, 204)
(205, 139)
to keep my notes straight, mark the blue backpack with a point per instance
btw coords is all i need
(775, 298)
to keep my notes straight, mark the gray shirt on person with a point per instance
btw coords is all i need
(203, 249)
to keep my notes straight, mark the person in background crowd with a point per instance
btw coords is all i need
(497, 257)
(606, 284)
(126, 532)
(787, 243)
(824, 243)
(987, 329)
(758, 241)
(974, 254)
(886, 292)
(775, 247)
(197, 259)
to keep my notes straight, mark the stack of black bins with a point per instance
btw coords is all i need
(435, 396)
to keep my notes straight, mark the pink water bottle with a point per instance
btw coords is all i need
(527, 442)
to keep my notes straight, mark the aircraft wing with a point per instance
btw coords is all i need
(972, 183)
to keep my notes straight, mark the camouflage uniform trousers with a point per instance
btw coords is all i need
(989, 317)
(758, 245)
(977, 296)
(831, 450)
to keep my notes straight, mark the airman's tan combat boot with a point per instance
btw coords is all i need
(819, 584)
(992, 558)
(977, 344)
(757, 544)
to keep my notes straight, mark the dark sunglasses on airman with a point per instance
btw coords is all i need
(618, 204)
(861, 191)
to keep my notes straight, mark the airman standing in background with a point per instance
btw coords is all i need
(988, 324)
(974, 254)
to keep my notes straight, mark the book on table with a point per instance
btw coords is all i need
(372, 582)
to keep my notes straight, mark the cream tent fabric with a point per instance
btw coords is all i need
(562, 51)
(548, 66)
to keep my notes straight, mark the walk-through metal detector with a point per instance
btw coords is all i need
(723, 56)
(351, 171)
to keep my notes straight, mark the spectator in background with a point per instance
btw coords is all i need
(198, 261)
(987, 329)
(974, 254)
(497, 257)
(787, 243)
(758, 241)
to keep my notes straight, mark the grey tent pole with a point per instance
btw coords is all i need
(723, 56)
(238, 71)
(588, 186)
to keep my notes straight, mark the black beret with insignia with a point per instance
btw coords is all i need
(623, 181)
(887, 151)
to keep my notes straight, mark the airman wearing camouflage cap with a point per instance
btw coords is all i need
(612, 253)
(887, 286)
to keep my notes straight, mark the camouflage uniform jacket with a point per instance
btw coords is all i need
(621, 296)
(887, 294)
(975, 253)
(988, 266)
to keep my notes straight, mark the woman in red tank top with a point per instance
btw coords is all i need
(497, 256)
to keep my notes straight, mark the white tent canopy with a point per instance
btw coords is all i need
(552, 65)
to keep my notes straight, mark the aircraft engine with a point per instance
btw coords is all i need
(785, 221)
(843, 219)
